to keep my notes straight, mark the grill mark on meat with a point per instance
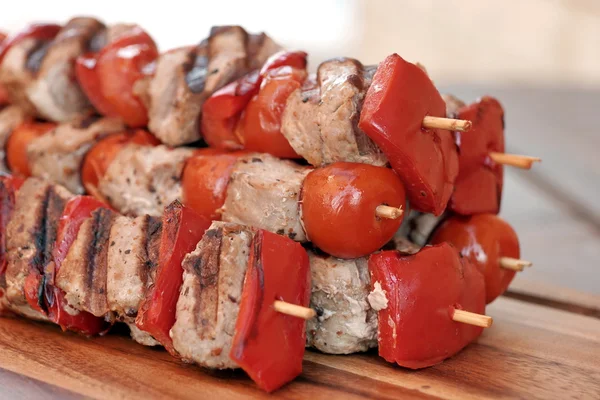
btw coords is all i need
(98, 41)
(196, 70)
(36, 55)
(96, 267)
(88, 121)
(153, 235)
(39, 238)
(206, 268)
(55, 205)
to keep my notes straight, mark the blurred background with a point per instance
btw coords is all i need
(540, 58)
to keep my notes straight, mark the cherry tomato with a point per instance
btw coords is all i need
(108, 77)
(483, 239)
(478, 187)
(267, 344)
(426, 160)
(99, 157)
(415, 329)
(339, 205)
(19, 140)
(205, 178)
(261, 121)
(182, 228)
(76, 211)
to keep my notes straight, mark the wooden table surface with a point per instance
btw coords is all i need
(545, 341)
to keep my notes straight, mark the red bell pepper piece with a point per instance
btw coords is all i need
(269, 345)
(222, 110)
(76, 211)
(416, 329)
(483, 239)
(182, 230)
(19, 140)
(399, 97)
(36, 31)
(478, 187)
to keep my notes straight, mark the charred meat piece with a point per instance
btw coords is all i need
(83, 273)
(186, 77)
(57, 155)
(144, 180)
(323, 127)
(10, 118)
(345, 321)
(209, 302)
(264, 192)
(31, 233)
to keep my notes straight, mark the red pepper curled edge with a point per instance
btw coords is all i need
(416, 329)
(267, 344)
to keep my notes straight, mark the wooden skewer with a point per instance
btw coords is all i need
(293, 310)
(467, 317)
(514, 263)
(514, 160)
(388, 212)
(449, 124)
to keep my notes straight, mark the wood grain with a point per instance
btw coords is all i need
(531, 351)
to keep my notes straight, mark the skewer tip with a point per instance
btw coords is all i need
(383, 211)
(294, 310)
(467, 317)
(515, 264)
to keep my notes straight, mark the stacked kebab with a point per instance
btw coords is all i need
(252, 103)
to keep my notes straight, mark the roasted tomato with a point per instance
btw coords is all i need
(221, 112)
(483, 239)
(260, 128)
(267, 344)
(99, 157)
(108, 77)
(416, 328)
(478, 187)
(426, 160)
(19, 139)
(205, 178)
(76, 211)
(182, 230)
(339, 208)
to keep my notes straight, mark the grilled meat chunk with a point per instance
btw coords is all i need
(264, 192)
(58, 155)
(323, 127)
(10, 118)
(186, 77)
(417, 227)
(144, 180)
(210, 296)
(83, 272)
(345, 323)
(30, 237)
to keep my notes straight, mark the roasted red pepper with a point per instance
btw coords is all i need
(478, 187)
(109, 76)
(76, 211)
(416, 329)
(267, 344)
(99, 157)
(35, 31)
(483, 239)
(339, 204)
(19, 140)
(182, 230)
(204, 180)
(221, 112)
(426, 160)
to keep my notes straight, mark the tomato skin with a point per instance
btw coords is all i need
(98, 158)
(338, 208)
(183, 228)
(267, 344)
(19, 140)
(483, 239)
(478, 187)
(261, 121)
(36, 31)
(221, 112)
(204, 180)
(76, 211)
(426, 160)
(108, 77)
(416, 329)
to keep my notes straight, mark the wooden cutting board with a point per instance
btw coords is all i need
(531, 351)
